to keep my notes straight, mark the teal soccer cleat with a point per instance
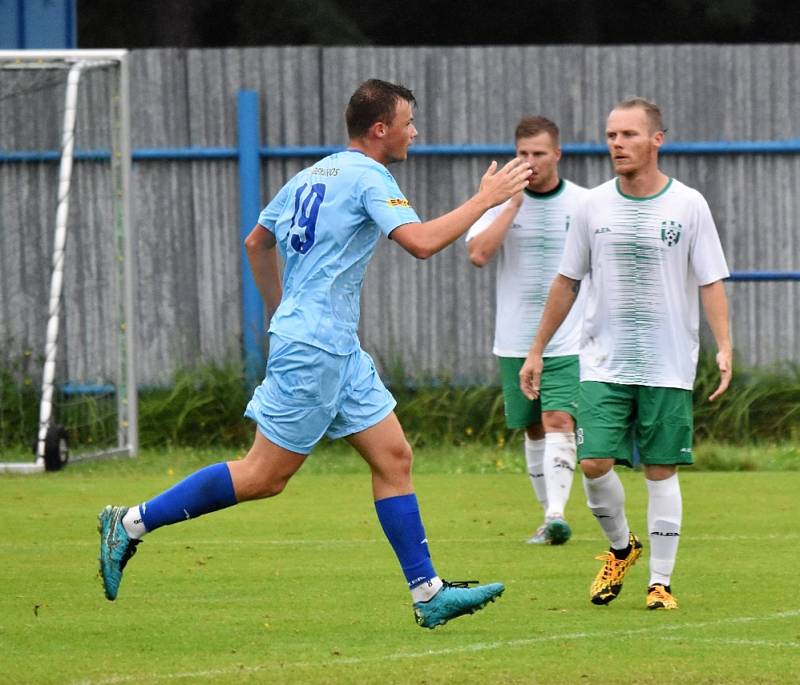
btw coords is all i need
(453, 600)
(116, 548)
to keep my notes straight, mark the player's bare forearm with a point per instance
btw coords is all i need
(563, 293)
(263, 259)
(483, 246)
(715, 306)
(426, 239)
(560, 299)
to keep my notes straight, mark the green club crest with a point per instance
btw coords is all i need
(670, 232)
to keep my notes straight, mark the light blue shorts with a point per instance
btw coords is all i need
(308, 393)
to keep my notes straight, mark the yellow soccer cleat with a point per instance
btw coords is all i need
(608, 582)
(660, 597)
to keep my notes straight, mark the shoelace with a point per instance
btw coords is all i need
(611, 566)
(660, 592)
(459, 583)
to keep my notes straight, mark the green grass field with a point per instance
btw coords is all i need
(305, 589)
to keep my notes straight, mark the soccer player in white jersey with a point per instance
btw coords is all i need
(527, 233)
(649, 243)
(326, 222)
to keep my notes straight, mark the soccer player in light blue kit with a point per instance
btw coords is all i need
(326, 222)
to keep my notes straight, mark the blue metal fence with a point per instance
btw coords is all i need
(699, 147)
(249, 206)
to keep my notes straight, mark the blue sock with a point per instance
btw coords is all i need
(401, 522)
(206, 490)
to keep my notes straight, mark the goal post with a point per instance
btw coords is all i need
(66, 258)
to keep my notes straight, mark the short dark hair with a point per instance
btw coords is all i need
(374, 100)
(533, 126)
(651, 110)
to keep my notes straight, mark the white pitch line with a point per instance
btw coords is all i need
(734, 641)
(476, 647)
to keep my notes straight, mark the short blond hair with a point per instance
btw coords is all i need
(651, 110)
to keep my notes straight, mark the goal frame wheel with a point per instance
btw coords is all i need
(56, 448)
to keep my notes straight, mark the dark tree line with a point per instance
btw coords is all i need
(216, 23)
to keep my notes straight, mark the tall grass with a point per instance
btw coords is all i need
(761, 404)
(19, 405)
(200, 406)
(203, 406)
(448, 414)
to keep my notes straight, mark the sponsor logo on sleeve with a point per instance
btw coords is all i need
(398, 202)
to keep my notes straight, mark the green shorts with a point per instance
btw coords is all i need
(612, 415)
(559, 390)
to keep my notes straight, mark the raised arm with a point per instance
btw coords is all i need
(263, 259)
(715, 306)
(426, 239)
(483, 246)
(560, 299)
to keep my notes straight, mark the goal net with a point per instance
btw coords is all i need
(67, 358)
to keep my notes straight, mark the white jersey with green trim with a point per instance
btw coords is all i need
(646, 257)
(528, 260)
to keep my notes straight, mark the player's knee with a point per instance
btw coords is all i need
(395, 461)
(535, 431)
(402, 456)
(253, 481)
(558, 422)
(660, 471)
(594, 468)
(269, 486)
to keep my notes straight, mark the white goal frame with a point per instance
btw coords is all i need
(77, 62)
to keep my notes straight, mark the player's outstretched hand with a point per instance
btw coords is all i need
(530, 376)
(499, 185)
(725, 365)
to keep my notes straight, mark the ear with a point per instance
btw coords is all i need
(558, 154)
(658, 138)
(378, 129)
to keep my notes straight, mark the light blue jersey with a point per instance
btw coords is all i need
(327, 221)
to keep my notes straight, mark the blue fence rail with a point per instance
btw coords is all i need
(709, 147)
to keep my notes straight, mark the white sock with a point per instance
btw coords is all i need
(534, 458)
(559, 467)
(426, 590)
(664, 514)
(133, 524)
(605, 497)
